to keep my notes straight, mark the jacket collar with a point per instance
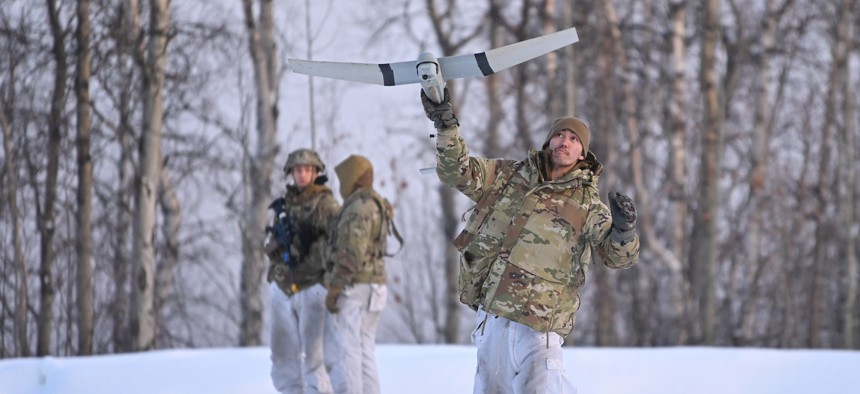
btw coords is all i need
(301, 196)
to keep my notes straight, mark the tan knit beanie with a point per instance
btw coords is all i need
(576, 125)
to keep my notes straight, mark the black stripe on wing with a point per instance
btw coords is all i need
(483, 64)
(387, 74)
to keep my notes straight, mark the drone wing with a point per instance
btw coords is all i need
(461, 66)
(387, 74)
(495, 60)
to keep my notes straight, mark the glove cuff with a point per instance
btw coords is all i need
(447, 130)
(442, 124)
(622, 236)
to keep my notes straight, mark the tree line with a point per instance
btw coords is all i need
(141, 145)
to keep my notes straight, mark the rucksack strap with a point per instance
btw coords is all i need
(387, 221)
(397, 236)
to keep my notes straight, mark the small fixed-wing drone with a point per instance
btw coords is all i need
(431, 72)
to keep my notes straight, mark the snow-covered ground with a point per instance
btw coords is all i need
(449, 369)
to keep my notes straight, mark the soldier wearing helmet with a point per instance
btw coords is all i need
(296, 247)
(527, 246)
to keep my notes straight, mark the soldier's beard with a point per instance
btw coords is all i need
(562, 158)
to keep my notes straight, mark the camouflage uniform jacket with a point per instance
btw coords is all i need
(525, 255)
(311, 212)
(358, 240)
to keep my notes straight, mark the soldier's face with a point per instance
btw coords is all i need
(303, 175)
(566, 148)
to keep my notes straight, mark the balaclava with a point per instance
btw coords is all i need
(354, 173)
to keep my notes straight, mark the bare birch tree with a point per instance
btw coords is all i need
(678, 159)
(554, 104)
(826, 225)
(47, 225)
(84, 245)
(171, 221)
(19, 264)
(760, 153)
(847, 170)
(126, 46)
(143, 319)
(703, 248)
(492, 86)
(258, 167)
(570, 61)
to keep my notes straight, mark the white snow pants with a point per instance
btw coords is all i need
(298, 324)
(514, 358)
(350, 341)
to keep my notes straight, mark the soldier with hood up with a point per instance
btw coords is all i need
(296, 248)
(355, 277)
(527, 246)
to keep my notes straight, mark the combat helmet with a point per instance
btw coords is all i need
(303, 157)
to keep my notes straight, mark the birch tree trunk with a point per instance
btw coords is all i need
(554, 105)
(309, 45)
(171, 222)
(569, 63)
(494, 101)
(606, 119)
(84, 245)
(678, 127)
(259, 170)
(521, 75)
(703, 249)
(143, 319)
(678, 161)
(762, 124)
(47, 218)
(848, 176)
(22, 344)
(126, 50)
(826, 230)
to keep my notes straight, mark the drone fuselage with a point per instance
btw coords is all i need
(430, 77)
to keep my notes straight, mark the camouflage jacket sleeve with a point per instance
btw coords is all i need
(455, 168)
(270, 246)
(613, 254)
(327, 210)
(354, 235)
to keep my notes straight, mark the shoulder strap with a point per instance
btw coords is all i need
(387, 221)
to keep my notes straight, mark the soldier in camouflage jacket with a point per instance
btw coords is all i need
(296, 274)
(355, 277)
(527, 246)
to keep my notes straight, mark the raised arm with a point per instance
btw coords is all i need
(455, 168)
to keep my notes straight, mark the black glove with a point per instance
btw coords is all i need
(623, 217)
(441, 114)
